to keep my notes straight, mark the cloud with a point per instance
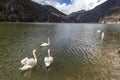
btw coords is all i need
(76, 5)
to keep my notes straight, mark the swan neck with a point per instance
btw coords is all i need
(48, 41)
(35, 57)
(102, 36)
(48, 53)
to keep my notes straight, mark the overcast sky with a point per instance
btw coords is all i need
(69, 6)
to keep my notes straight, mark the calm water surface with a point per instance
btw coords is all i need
(78, 51)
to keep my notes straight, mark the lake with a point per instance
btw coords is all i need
(78, 50)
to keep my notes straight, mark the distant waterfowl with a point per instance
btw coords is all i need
(102, 36)
(29, 63)
(46, 44)
(48, 60)
(99, 31)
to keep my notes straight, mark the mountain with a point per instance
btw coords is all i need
(57, 13)
(28, 11)
(54, 10)
(76, 15)
(107, 12)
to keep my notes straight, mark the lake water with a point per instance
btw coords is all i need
(78, 50)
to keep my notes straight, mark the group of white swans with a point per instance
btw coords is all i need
(29, 63)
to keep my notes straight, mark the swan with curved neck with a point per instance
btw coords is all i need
(46, 44)
(102, 36)
(48, 60)
(29, 63)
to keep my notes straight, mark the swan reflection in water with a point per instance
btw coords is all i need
(27, 73)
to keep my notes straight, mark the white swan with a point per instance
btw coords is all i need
(102, 36)
(46, 44)
(29, 62)
(99, 31)
(48, 60)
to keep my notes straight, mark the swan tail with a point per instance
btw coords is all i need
(25, 67)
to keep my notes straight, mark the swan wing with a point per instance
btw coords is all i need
(48, 61)
(23, 61)
(51, 59)
(25, 67)
(31, 62)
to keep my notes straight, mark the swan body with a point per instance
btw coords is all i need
(29, 62)
(46, 44)
(102, 36)
(48, 60)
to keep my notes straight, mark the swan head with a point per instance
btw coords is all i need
(34, 50)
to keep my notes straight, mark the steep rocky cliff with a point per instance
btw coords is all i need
(112, 17)
(107, 12)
